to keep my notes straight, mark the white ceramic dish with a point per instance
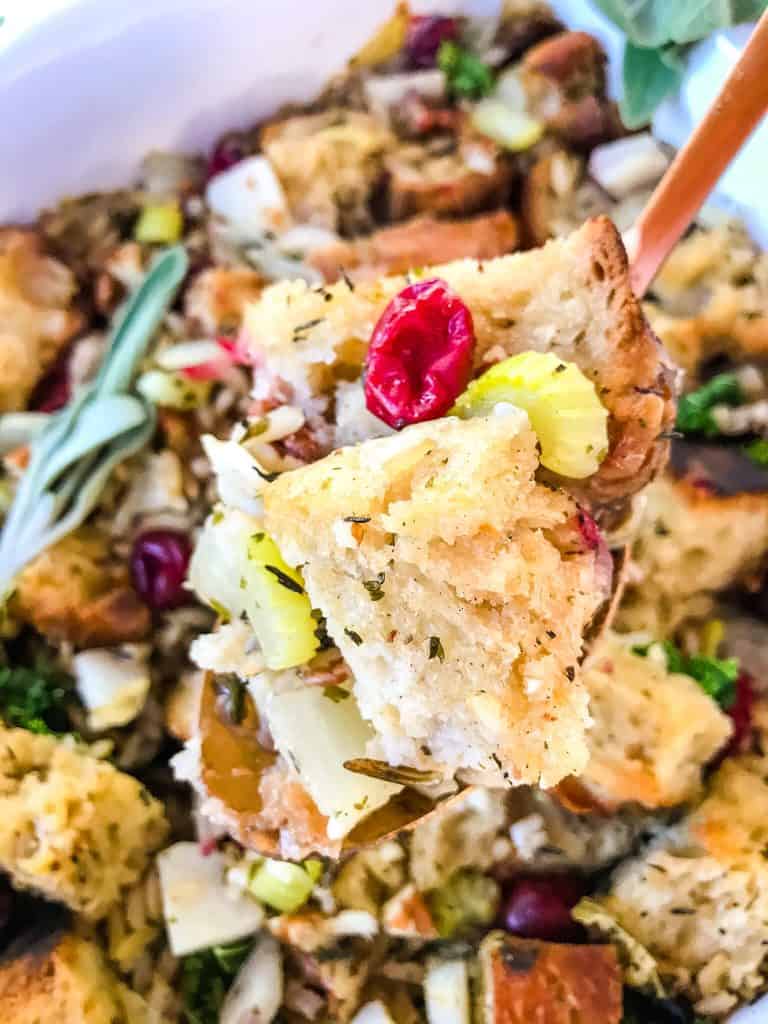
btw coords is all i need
(88, 86)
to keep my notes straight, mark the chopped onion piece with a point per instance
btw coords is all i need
(372, 1013)
(512, 129)
(188, 353)
(257, 992)
(383, 92)
(172, 390)
(317, 731)
(200, 909)
(446, 992)
(622, 166)
(112, 683)
(250, 198)
(510, 90)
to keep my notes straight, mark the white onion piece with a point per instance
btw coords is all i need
(250, 198)
(189, 353)
(112, 683)
(257, 991)
(622, 166)
(446, 992)
(383, 92)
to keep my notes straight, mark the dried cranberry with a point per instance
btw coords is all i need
(425, 34)
(540, 907)
(159, 561)
(54, 390)
(741, 713)
(420, 356)
(590, 533)
(227, 152)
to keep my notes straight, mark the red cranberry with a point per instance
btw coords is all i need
(540, 907)
(227, 152)
(54, 390)
(159, 561)
(420, 356)
(741, 713)
(425, 34)
(589, 531)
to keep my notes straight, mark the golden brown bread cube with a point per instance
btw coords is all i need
(67, 980)
(37, 314)
(328, 164)
(525, 981)
(77, 592)
(72, 827)
(691, 545)
(459, 602)
(215, 300)
(653, 731)
(697, 897)
(571, 297)
(422, 241)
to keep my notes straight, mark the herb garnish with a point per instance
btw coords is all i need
(269, 477)
(284, 579)
(357, 519)
(694, 411)
(659, 34)
(757, 451)
(232, 691)
(206, 977)
(35, 697)
(374, 587)
(716, 676)
(467, 75)
(72, 458)
(354, 637)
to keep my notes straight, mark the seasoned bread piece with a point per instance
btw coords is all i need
(423, 241)
(711, 297)
(66, 980)
(571, 297)
(215, 300)
(328, 164)
(526, 981)
(697, 899)
(77, 592)
(37, 314)
(691, 544)
(72, 827)
(461, 598)
(653, 731)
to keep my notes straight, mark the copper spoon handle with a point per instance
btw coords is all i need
(694, 172)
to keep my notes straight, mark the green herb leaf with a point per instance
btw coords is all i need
(436, 649)
(79, 446)
(206, 978)
(648, 79)
(659, 33)
(757, 451)
(467, 75)
(374, 587)
(35, 698)
(694, 411)
(716, 676)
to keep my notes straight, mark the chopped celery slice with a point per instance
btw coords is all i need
(562, 405)
(159, 224)
(467, 899)
(173, 390)
(237, 567)
(281, 885)
(512, 129)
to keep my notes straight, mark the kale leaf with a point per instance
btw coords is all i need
(206, 978)
(716, 676)
(467, 75)
(35, 697)
(694, 412)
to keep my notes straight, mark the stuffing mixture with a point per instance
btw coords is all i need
(382, 641)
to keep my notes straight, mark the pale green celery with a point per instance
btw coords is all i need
(281, 885)
(468, 899)
(159, 224)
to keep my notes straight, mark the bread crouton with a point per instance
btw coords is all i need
(328, 164)
(653, 731)
(691, 544)
(697, 898)
(471, 177)
(461, 598)
(77, 592)
(37, 314)
(72, 828)
(524, 980)
(215, 300)
(66, 980)
(571, 297)
(422, 241)
(710, 297)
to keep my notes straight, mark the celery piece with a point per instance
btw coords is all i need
(159, 224)
(173, 390)
(467, 899)
(281, 885)
(569, 419)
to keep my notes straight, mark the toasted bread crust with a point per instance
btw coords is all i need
(529, 982)
(571, 297)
